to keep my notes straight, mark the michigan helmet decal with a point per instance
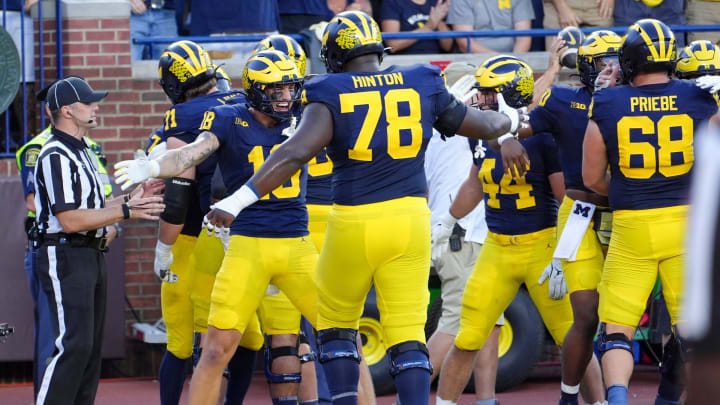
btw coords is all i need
(264, 70)
(648, 45)
(183, 66)
(507, 75)
(599, 46)
(286, 45)
(223, 80)
(700, 58)
(348, 35)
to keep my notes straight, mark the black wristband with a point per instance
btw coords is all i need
(126, 197)
(126, 211)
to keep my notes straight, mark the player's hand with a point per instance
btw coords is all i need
(131, 172)
(441, 232)
(608, 77)
(463, 89)
(163, 261)
(557, 288)
(138, 6)
(290, 130)
(518, 117)
(557, 49)
(217, 222)
(709, 83)
(515, 158)
(157, 151)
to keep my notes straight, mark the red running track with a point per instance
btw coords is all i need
(542, 389)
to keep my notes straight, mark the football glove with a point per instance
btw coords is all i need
(441, 232)
(518, 117)
(163, 261)
(557, 288)
(463, 89)
(709, 83)
(131, 172)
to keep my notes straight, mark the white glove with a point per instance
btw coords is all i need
(272, 290)
(290, 131)
(163, 261)
(463, 89)
(130, 172)
(157, 151)
(441, 232)
(709, 83)
(557, 288)
(518, 117)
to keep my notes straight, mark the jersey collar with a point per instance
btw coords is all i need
(69, 139)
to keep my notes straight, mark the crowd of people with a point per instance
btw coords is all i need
(288, 199)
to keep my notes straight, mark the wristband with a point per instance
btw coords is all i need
(504, 138)
(126, 211)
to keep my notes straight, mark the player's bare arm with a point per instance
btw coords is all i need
(594, 168)
(469, 195)
(484, 125)
(169, 164)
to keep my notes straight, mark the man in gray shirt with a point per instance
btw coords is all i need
(468, 15)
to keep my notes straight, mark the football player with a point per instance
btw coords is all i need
(521, 214)
(376, 124)
(188, 78)
(698, 59)
(644, 131)
(268, 243)
(562, 111)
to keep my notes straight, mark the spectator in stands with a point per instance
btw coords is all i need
(415, 16)
(577, 13)
(234, 17)
(467, 15)
(151, 18)
(366, 6)
(703, 12)
(19, 24)
(671, 12)
(296, 15)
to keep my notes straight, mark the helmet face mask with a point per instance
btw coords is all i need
(507, 75)
(648, 46)
(348, 35)
(182, 66)
(700, 58)
(271, 79)
(597, 51)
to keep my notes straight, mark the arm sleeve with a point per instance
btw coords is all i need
(522, 11)
(63, 191)
(28, 162)
(550, 155)
(461, 12)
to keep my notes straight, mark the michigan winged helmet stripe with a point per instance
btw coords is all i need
(270, 68)
(660, 50)
(361, 27)
(288, 46)
(700, 58)
(507, 75)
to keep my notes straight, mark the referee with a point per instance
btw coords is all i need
(72, 218)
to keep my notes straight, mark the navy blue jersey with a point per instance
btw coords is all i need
(382, 122)
(310, 7)
(562, 111)
(319, 182)
(244, 146)
(648, 132)
(411, 17)
(524, 205)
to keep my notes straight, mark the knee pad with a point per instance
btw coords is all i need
(271, 353)
(344, 344)
(311, 356)
(418, 357)
(614, 341)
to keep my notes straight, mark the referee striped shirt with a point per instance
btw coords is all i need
(66, 178)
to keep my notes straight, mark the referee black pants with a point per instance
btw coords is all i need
(75, 282)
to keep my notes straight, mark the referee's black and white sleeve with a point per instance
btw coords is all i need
(60, 175)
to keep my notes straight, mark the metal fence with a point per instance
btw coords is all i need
(10, 143)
